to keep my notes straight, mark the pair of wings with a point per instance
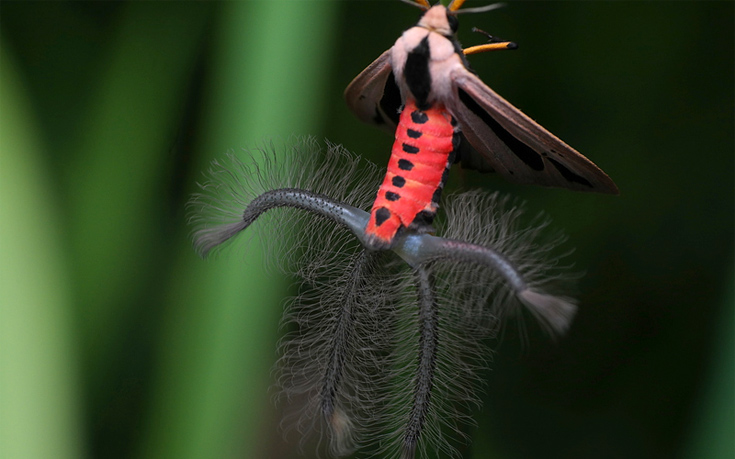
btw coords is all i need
(499, 137)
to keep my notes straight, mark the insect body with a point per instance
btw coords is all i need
(417, 169)
(426, 72)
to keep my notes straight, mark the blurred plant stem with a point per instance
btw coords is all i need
(116, 166)
(211, 391)
(39, 398)
(713, 423)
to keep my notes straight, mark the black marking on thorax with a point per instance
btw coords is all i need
(416, 73)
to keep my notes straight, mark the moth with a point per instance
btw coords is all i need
(424, 90)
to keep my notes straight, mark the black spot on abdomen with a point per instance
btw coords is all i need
(381, 215)
(413, 134)
(405, 165)
(419, 117)
(391, 196)
(410, 149)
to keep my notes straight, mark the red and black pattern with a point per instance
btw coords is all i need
(418, 167)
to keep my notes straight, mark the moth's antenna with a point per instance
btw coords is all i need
(423, 4)
(493, 44)
(456, 4)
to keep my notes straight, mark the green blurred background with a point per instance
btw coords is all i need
(117, 341)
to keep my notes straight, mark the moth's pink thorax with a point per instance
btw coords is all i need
(442, 62)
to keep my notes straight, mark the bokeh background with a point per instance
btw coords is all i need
(116, 340)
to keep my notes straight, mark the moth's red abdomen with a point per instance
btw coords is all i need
(409, 195)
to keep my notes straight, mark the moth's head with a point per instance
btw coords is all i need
(440, 20)
(443, 19)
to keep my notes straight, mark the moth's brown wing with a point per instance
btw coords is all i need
(374, 96)
(514, 145)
